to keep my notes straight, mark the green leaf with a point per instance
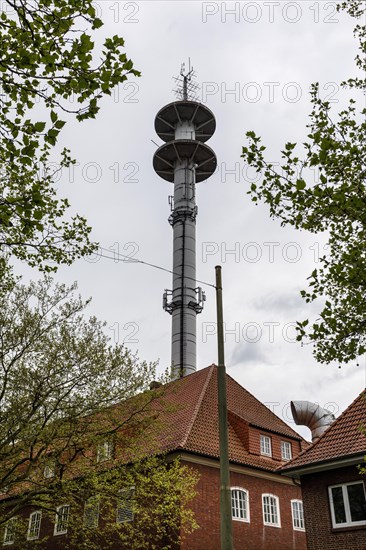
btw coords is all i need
(39, 126)
(300, 185)
(60, 124)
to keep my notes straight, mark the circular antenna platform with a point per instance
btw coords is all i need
(195, 151)
(179, 111)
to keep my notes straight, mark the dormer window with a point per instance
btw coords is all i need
(286, 451)
(265, 445)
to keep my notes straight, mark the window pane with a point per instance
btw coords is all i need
(265, 445)
(9, 534)
(270, 510)
(91, 512)
(239, 504)
(62, 519)
(34, 525)
(338, 505)
(286, 450)
(357, 503)
(125, 505)
(298, 514)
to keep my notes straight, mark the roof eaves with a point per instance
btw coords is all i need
(214, 456)
(322, 465)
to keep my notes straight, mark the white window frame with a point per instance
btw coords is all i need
(272, 501)
(265, 445)
(60, 520)
(105, 450)
(125, 508)
(92, 506)
(297, 511)
(9, 532)
(349, 522)
(286, 450)
(239, 512)
(49, 470)
(34, 525)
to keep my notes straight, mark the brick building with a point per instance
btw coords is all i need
(333, 489)
(266, 506)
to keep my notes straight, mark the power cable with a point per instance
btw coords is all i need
(128, 259)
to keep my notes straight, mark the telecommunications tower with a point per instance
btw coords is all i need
(184, 159)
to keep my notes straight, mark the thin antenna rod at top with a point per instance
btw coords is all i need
(186, 87)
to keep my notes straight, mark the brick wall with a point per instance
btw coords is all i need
(247, 536)
(320, 533)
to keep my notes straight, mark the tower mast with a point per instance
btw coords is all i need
(184, 159)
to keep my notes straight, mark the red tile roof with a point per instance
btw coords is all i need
(342, 439)
(190, 422)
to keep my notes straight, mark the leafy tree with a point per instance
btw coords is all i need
(47, 58)
(143, 506)
(335, 204)
(74, 410)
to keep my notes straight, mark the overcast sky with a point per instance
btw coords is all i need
(255, 62)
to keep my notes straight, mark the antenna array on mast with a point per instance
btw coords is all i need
(187, 88)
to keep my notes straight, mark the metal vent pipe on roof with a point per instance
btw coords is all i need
(313, 416)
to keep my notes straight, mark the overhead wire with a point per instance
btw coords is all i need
(129, 259)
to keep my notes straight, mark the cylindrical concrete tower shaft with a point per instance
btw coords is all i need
(184, 160)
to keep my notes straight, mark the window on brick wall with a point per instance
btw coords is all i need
(271, 510)
(286, 451)
(240, 504)
(10, 531)
(125, 505)
(265, 445)
(62, 519)
(348, 504)
(105, 450)
(297, 515)
(91, 512)
(34, 525)
(49, 469)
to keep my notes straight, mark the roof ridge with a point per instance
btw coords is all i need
(199, 403)
(327, 431)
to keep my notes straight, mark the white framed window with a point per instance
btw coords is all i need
(286, 450)
(34, 525)
(10, 531)
(271, 510)
(125, 505)
(240, 504)
(105, 450)
(266, 445)
(62, 519)
(297, 511)
(91, 512)
(348, 504)
(49, 470)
